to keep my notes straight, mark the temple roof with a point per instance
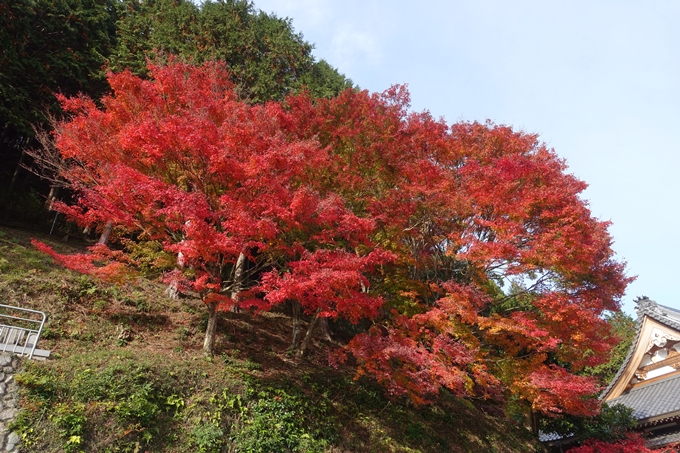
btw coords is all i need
(662, 440)
(645, 308)
(652, 400)
(648, 380)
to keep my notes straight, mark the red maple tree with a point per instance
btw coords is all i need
(179, 160)
(468, 246)
(502, 273)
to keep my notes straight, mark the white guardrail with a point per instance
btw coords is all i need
(20, 330)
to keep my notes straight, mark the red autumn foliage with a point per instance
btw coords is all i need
(468, 246)
(326, 281)
(633, 443)
(179, 160)
(470, 209)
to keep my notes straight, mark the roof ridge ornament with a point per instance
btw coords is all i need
(647, 305)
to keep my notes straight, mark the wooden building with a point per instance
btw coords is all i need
(648, 382)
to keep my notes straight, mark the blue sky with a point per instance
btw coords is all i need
(598, 81)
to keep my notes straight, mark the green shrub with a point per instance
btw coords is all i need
(140, 407)
(150, 258)
(71, 420)
(279, 421)
(208, 438)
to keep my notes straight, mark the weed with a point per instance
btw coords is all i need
(207, 437)
(38, 382)
(137, 301)
(150, 258)
(70, 418)
(101, 304)
(183, 333)
(415, 432)
(4, 265)
(174, 402)
(140, 406)
(279, 421)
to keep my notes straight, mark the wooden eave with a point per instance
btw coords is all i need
(652, 423)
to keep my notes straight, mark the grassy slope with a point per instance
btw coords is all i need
(128, 376)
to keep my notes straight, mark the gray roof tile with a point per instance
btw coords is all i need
(662, 440)
(653, 399)
(548, 437)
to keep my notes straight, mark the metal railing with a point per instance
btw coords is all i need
(20, 329)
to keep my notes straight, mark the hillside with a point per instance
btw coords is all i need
(128, 375)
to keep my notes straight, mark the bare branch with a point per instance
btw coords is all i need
(47, 162)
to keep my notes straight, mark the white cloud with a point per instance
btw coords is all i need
(352, 48)
(307, 15)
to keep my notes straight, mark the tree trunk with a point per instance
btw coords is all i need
(104, 238)
(296, 326)
(211, 329)
(172, 291)
(15, 176)
(52, 197)
(533, 421)
(238, 280)
(27, 179)
(309, 334)
(325, 329)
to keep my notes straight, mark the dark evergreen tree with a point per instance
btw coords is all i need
(623, 334)
(264, 55)
(67, 46)
(48, 46)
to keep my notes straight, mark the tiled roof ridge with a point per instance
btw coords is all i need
(674, 311)
(646, 306)
(669, 308)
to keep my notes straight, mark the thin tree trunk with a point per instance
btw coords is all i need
(15, 176)
(27, 179)
(296, 326)
(104, 238)
(325, 329)
(309, 334)
(238, 280)
(211, 329)
(533, 420)
(172, 291)
(52, 197)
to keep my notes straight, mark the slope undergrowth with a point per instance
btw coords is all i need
(127, 375)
